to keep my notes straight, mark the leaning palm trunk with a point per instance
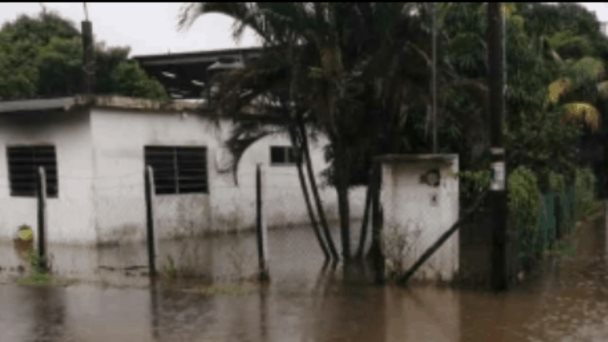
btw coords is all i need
(309, 208)
(300, 145)
(365, 221)
(373, 184)
(341, 182)
(375, 251)
(315, 193)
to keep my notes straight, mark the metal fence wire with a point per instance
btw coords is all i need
(557, 217)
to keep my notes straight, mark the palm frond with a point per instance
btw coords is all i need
(587, 69)
(602, 90)
(558, 88)
(246, 15)
(583, 113)
(243, 136)
(570, 45)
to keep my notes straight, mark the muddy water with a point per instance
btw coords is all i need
(566, 301)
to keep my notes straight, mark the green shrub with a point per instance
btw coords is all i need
(524, 202)
(473, 183)
(584, 192)
(557, 182)
(36, 262)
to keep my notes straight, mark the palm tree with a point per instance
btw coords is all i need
(577, 93)
(268, 84)
(361, 78)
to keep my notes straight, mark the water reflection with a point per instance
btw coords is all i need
(306, 300)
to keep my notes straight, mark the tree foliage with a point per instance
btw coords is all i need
(41, 56)
(364, 78)
(555, 84)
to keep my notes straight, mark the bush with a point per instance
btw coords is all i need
(524, 202)
(557, 182)
(584, 192)
(472, 183)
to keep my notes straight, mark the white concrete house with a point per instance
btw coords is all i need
(95, 153)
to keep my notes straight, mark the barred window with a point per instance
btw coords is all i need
(23, 164)
(178, 169)
(282, 155)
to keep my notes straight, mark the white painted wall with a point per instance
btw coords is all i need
(119, 138)
(100, 161)
(70, 216)
(412, 221)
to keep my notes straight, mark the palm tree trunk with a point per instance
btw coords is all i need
(375, 254)
(342, 181)
(366, 214)
(375, 250)
(309, 208)
(300, 145)
(365, 221)
(315, 192)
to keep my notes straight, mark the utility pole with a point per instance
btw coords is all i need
(88, 58)
(497, 197)
(434, 74)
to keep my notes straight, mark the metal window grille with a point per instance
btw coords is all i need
(23, 164)
(178, 169)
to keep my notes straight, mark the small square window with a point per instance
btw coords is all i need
(23, 164)
(282, 155)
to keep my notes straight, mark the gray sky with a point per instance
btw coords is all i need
(150, 28)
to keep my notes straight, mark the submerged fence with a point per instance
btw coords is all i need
(557, 217)
(557, 214)
(538, 222)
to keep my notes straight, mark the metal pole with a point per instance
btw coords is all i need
(88, 58)
(497, 196)
(86, 11)
(260, 226)
(150, 239)
(41, 194)
(434, 75)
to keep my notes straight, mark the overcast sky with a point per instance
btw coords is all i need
(151, 28)
(148, 28)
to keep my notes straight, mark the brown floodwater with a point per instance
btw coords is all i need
(566, 300)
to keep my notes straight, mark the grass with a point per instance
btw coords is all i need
(169, 270)
(39, 274)
(592, 209)
(563, 247)
(36, 279)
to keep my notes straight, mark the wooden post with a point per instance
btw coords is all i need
(88, 57)
(434, 74)
(497, 198)
(149, 187)
(41, 194)
(260, 226)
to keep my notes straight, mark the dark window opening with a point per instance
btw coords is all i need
(23, 164)
(282, 155)
(177, 169)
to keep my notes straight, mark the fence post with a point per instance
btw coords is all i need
(149, 187)
(261, 226)
(41, 194)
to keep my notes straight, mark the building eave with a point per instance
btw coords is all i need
(115, 102)
(122, 103)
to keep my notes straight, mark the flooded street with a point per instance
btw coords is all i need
(565, 301)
